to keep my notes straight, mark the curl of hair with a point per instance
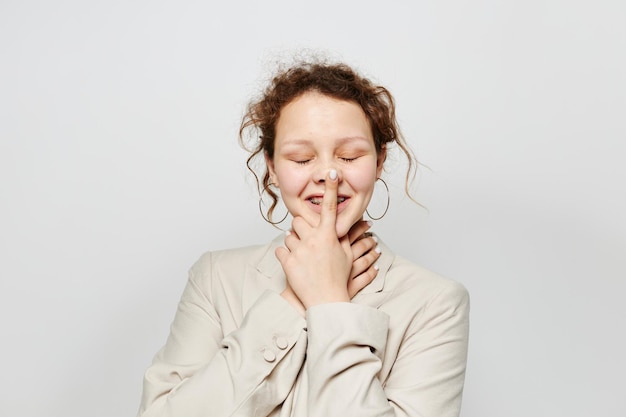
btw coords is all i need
(338, 81)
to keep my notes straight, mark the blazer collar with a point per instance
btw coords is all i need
(268, 274)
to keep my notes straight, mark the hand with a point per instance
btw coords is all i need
(293, 299)
(318, 264)
(365, 253)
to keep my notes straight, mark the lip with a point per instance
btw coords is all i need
(318, 207)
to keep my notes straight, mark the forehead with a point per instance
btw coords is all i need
(313, 116)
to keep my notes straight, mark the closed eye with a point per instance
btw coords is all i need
(303, 162)
(348, 159)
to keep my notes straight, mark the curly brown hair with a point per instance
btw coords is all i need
(338, 81)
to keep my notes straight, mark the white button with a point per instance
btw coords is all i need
(281, 343)
(269, 356)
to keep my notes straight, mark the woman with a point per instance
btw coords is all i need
(325, 320)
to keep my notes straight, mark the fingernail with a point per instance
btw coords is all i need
(375, 238)
(369, 223)
(287, 232)
(377, 249)
(333, 174)
(376, 267)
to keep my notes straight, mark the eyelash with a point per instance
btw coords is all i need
(304, 162)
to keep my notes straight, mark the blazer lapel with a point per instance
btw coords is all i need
(374, 294)
(264, 274)
(267, 274)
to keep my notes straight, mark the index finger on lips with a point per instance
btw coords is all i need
(329, 202)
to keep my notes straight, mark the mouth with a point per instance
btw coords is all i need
(317, 200)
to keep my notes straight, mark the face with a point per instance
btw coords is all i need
(314, 134)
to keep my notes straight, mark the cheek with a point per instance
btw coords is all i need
(362, 182)
(291, 181)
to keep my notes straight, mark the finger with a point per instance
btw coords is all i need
(329, 202)
(362, 246)
(291, 240)
(299, 226)
(364, 262)
(358, 229)
(346, 246)
(281, 254)
(361, 281)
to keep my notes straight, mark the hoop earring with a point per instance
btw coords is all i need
(386, 207)
(266, 217)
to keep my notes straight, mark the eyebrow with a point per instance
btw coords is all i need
(341, 141)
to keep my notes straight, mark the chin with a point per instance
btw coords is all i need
(343, 227)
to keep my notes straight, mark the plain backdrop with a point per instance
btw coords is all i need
(119, 167)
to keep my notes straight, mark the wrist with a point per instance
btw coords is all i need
(295, 302)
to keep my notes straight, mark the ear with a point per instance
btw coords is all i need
(270, 169)
(380, 161)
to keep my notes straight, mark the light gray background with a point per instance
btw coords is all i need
(119, 166)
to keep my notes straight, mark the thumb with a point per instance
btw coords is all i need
(329, 202)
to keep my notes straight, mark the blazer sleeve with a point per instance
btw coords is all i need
(202, 372)
(346, 346)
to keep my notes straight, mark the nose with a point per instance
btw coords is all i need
(321, 173)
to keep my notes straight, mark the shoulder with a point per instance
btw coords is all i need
(409, 274)
(230, 260)
(414, 284)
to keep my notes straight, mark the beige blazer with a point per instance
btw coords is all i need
(237, 348)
